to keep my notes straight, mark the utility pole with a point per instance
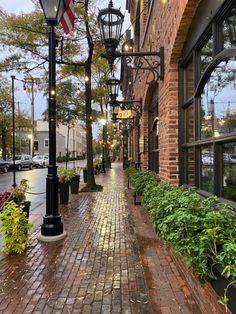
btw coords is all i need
(31, 81)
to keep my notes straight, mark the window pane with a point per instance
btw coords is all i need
(189, 81)
(229, 171)
(190, 154)
(229, 29)
(207, 173)
(206, 54)
(190, 124)
(218, 102)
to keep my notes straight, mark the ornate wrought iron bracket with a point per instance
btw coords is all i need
(129, 104)
(142, 62)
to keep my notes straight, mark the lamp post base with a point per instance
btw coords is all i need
(43, 238)
(52, 226)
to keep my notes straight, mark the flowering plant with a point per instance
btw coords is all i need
(4, 196)
(65, 174)
(18, 193)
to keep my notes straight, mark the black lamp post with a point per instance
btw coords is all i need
(52, 227)
(13, 131)
(103, 168)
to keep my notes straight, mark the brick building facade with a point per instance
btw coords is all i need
(186, 130)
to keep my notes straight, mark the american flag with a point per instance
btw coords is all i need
(67, 19)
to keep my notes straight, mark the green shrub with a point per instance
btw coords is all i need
(14, 228)
(130, 171)
(139, 179)
(97, 163)
(66, 174)
(201, 232)
(18, 194)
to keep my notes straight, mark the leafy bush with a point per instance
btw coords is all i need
(66, 174)
(129, 171)
(139, 179)
(18, 194)
(14, 228)
(4, 196)
(97, 163)
(202, 232)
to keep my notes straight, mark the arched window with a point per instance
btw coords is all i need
(208, 108)
(153, 130)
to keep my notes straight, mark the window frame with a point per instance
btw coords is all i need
(219, 54)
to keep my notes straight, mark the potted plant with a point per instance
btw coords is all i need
(18, 195)
(64, 178)
(75, 179)
(97, 164)
(14, 227)
(4, 196)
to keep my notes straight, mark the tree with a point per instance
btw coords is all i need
(26, 35)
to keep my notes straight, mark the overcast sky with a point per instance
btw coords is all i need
(16, 6)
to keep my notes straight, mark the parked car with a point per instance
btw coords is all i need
(4, 166)
(232, 158)
(22, 161)
(207, 160)
(40, 161)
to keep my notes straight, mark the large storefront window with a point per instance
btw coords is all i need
(153, 128)
(218, 101)
(207, 171)
(206, 54)
(229, 28)
(209, 109)
(229, 171)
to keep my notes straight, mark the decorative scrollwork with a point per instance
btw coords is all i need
(144, 63)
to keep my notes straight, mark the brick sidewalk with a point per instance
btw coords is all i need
(101, 267)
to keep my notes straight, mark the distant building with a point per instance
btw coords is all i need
(76, 144)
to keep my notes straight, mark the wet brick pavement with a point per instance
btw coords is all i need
(103, 266)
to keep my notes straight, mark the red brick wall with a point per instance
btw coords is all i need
(204, 294)
(166, 25)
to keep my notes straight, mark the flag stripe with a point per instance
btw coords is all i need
(67, 19)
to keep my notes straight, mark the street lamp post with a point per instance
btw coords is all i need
(13, 131)
(30, 142)
(52, 227)
(103, 169)
(74, 147)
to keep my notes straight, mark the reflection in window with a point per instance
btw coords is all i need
(206, 54)
(229, 29)
(229, 171)
(218, 102)
(207, 172)
(190, 123)
(189, 81)
(190, 155)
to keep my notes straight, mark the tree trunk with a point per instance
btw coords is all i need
(91, 185)
(107, 159)
(67, 145)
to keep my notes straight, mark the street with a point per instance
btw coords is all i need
(36, 181)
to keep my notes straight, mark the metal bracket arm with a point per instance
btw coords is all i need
(142, 62)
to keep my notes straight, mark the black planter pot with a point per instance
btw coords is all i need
(26, 209)
(85, 173)
(64, 192)
(74, 184)
(221, 283)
